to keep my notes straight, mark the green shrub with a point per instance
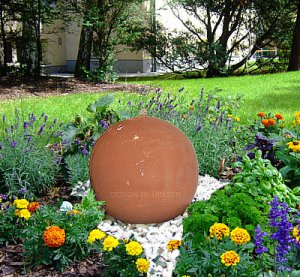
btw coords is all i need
(78, 168)
(27, 165)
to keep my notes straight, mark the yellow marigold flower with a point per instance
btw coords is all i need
(261, 114)
(237, 119)
(173, 244)
(240, 236)
(294, 145)
(73, 212)
(278, 116)
(110, 243)
(54, 236)
(296, 233)
(297, 114)
(230, 258)
(133, 248)
(229, 115)
(21, 203)
(24, 213)
(95, 234)
(219, 230)
(33, 206)
(297, 121)
(142, 265)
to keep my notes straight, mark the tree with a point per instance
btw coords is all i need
(103, 25)
(216, 31)
(294, 62)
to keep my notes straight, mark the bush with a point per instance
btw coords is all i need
(27, 164)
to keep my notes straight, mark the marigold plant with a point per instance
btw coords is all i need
(33, 206)
(54, 236)
(21, 203)
(142, 265)
(278, 116)
(173, 244)
(240, 236)
(219, 230)
(230, 258)
(95, 234)
(133, 248)
(110, 243)
(261, 114)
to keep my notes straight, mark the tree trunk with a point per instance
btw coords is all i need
(294, 62)
(84, 51)
(4, 41)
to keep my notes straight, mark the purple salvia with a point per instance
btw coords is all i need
(199, 128)
(282, 226)
(258, 240)
(84, 151)
(3, 118)
(23, 190)
(55, 120)
(58, 134)
(45, 118)
(129, 103)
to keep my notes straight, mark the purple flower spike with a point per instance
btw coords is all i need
(258, 240)
(84, 151)
(129, 103)
(25, 125)
(55, 120)
(13, 144)
(45, 118)
(283, 227)
(41, 129)
(23, 190)
(104, 124)
(3, 118)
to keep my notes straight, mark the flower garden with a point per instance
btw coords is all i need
(250, 227)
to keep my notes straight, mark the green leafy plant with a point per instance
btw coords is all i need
(74, 226)
(261, 180)
(83, 131)
(238, 209)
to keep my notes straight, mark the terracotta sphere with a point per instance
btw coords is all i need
(145, 169)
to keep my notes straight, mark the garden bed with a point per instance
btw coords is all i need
(11, 88)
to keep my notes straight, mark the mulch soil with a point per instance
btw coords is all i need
(11, 87)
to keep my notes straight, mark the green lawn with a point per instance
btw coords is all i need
(269, 93)
(275, 93)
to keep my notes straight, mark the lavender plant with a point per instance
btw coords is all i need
(207, 121)
(27, 165)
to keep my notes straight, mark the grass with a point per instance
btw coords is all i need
(274, 93)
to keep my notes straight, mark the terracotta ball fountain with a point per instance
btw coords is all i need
(145, 169)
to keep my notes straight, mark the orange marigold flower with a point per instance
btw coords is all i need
(265, 122)
(272, 121)
(279, 116)
(261, 114)
(54, 236)
(33, 206)
(173, 244)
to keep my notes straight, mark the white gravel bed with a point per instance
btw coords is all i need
(154, 237)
